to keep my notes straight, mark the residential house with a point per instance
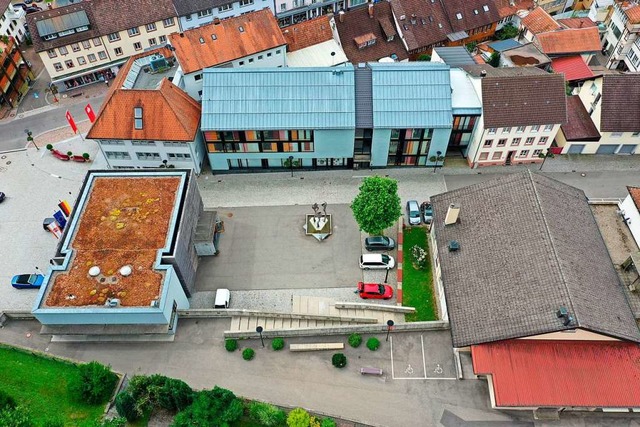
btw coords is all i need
(466, 109)
(554, 310)
(127, 260)
(250, 40)
(369, 34)
(527, 55)
(15, 75)
(535, 22)
(630, 212)
(12, 21)
(373, 115)
(471, 20)
(612, 104)
(290, 12)
(579, 131)
(553, 6)
(195, 13)
(510, 11)
(522, 110)
(621, 43)
(147, 121)
(314, 43)
(87, 42)
(574, 68)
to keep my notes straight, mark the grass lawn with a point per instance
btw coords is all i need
(417, 287)
(40, 384)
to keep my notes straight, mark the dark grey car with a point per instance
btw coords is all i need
(379, 243)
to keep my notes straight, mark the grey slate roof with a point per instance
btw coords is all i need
(187, 7)
(455, 56)
(620, 103)
(528, 246)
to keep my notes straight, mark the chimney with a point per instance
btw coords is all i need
(413, 19)
(370, 10)
(452, 214)
(483, 73)
(341, 16)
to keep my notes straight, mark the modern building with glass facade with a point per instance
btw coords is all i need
(371, 115)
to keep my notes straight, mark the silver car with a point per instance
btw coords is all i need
(413, 212)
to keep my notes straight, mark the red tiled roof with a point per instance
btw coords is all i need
(197, 49)
(505, 8)
(534, 373)
(633, 14)
(573, 68)
(308, 33)
(539, 21)
(570, 40)
(579, 126)
(634, 192)
(576, 22)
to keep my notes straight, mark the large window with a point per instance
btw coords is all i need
(255, 141)
(409, 147)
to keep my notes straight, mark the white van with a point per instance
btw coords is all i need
(223, 296)
(376, 261)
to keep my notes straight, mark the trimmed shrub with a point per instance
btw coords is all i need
(355, 340)
(217, 407)
(175, 395)
(277, 344)
(248, 353)
(69, 153)
(267, 415)
(93, 384)
(85, 156)
(126, 406)
(339, 360)
(6, 401)
(49, 147)
(328, 422)
(373, 343)
(231, 344)
(298, 418)
(314, 422)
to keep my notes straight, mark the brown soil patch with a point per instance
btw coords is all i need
(523, 60)
(125, 222)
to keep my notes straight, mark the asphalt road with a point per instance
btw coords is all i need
(12, 136)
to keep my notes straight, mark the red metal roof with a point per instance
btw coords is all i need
(535, 373)
(573, 68)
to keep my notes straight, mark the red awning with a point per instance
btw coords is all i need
(536, 373)
(573, 68)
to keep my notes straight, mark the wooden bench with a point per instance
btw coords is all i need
(371, 371)
(317, 346)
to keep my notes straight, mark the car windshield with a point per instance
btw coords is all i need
(385, 259)
(32, 279)
(381, 289)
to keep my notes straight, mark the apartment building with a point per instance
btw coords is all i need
(621, 43)
(12, 21)
(15, 74)
(522, 110)
(88, 42)
(195, 13)
(146, 121)
(251, 40)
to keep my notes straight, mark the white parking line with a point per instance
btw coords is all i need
(424, 366)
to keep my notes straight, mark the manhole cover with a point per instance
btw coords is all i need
(9, 162)
(3, 157)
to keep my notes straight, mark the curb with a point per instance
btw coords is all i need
(400, 257)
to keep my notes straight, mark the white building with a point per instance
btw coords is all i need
(630, 211)
(195, 13)
(522, 110)
(621, 43)
(12, 21)
(148, 122)
(314, 43)
(251, 40)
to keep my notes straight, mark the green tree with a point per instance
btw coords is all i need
(126, 406)
(424, 57)
(494, 61)
(509, 31)
(377, 206)
(298, 418)
(15, 417)
(217, 407)
(93, 384)
(471, 46)
(267, 415)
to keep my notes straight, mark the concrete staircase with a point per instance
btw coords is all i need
(314, 312)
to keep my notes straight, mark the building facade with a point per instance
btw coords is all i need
(195, 13)
(621, 42)
(12, 21)
(87, 42)
(15, 74)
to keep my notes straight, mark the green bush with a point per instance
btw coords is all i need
(355, 340)
(53, 422)
(339, 360)
(298, 418)
(15, 417)
(231, 345)
(49, 147)
(277, 344)
(175, 395)
(69, 153)
(248, 353)
(6, 401)
(267, 415)
(126, 406)
(217, 407)
(328, 422)
(113, 422)
(373, 343)
(93, 384)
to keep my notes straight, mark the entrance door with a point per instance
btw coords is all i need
(607, 149)
(510, 155)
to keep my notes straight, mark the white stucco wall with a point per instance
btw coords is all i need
(13, 23)
(631, 212)
(232, 8)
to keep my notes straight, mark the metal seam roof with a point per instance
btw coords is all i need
(62, 23)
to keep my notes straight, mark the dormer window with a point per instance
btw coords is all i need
(485, 8)
(365, 40)
(213, 37)
(137, 117)
(201, 40)
(459, 15)
(241, 28)
(475, 11)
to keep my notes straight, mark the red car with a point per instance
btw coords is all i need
(374, 290)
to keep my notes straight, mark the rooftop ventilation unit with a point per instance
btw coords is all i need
(563, 314)
(454, 246)
(158, 62)
(113, 302)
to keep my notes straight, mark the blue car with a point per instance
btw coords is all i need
(27, 281)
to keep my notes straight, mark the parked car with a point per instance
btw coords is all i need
(426, 211)
(17, 6)
(374, 290)
(33, 9)
(413, 212)
(223, 298)
(376, 261)
(27, 281)
(379, 243)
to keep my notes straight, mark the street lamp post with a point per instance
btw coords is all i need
(438, 154)
(386, 276)
(291, 165)
(259, 330)
(30, 139)
(389, 326)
